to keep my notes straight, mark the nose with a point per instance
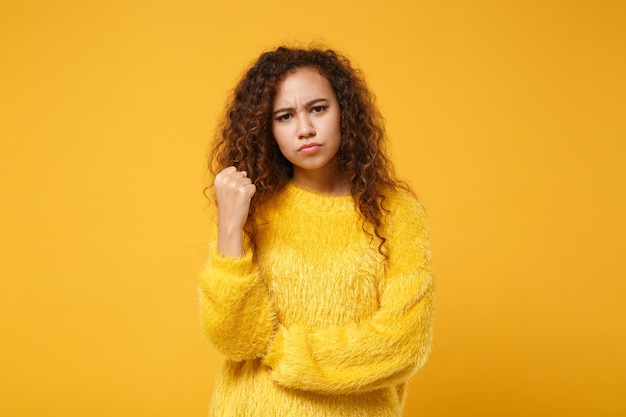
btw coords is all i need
(305, 128)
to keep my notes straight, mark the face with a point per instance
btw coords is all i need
(306, 123)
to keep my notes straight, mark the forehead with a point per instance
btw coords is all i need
(304, 83)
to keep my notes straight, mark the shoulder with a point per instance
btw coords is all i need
(405, 218)
(407, 226)
(403, 204)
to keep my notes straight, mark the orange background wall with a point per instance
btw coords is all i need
(507, 117)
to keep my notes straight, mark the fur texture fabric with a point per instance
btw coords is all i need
(316, 322)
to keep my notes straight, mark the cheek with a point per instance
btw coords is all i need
(334, 124)
(335, 127)
(279, 137)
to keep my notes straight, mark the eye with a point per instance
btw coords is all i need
(284, 117)
(318, 109)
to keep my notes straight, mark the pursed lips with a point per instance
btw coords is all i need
(309, 146)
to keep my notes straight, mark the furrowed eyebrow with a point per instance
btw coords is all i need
(309, 104)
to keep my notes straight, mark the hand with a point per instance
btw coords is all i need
(233, 192)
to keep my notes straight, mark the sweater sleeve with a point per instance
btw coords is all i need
(384, 350)
(236, 312)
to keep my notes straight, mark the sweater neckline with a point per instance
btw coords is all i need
(308, 190)
(318, 201)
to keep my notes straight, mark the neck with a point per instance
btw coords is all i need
(330, 183)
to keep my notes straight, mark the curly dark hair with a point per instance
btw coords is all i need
(244, 137)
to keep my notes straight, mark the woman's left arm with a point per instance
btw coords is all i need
(382, 351)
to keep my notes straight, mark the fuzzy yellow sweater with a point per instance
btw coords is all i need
(317, 322)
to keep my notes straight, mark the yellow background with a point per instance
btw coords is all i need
(508, 118)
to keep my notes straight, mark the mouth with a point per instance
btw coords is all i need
(309, 147)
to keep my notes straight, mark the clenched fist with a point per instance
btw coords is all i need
(233, 191)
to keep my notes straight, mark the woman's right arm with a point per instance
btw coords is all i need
(236, 312)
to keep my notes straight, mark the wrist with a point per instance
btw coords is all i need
(230, 242)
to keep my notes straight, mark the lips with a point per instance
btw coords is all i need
(309, 147)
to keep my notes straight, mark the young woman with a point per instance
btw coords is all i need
(319, 288)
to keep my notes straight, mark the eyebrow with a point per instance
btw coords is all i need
(309, 104)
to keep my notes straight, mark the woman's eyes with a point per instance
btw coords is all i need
(284, 117)
(318, 109)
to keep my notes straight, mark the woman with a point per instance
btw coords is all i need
(319, 288)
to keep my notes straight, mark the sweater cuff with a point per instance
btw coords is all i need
(233, 270)
(239, 266)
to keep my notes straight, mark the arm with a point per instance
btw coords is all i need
(236, 312)
(382, 351)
